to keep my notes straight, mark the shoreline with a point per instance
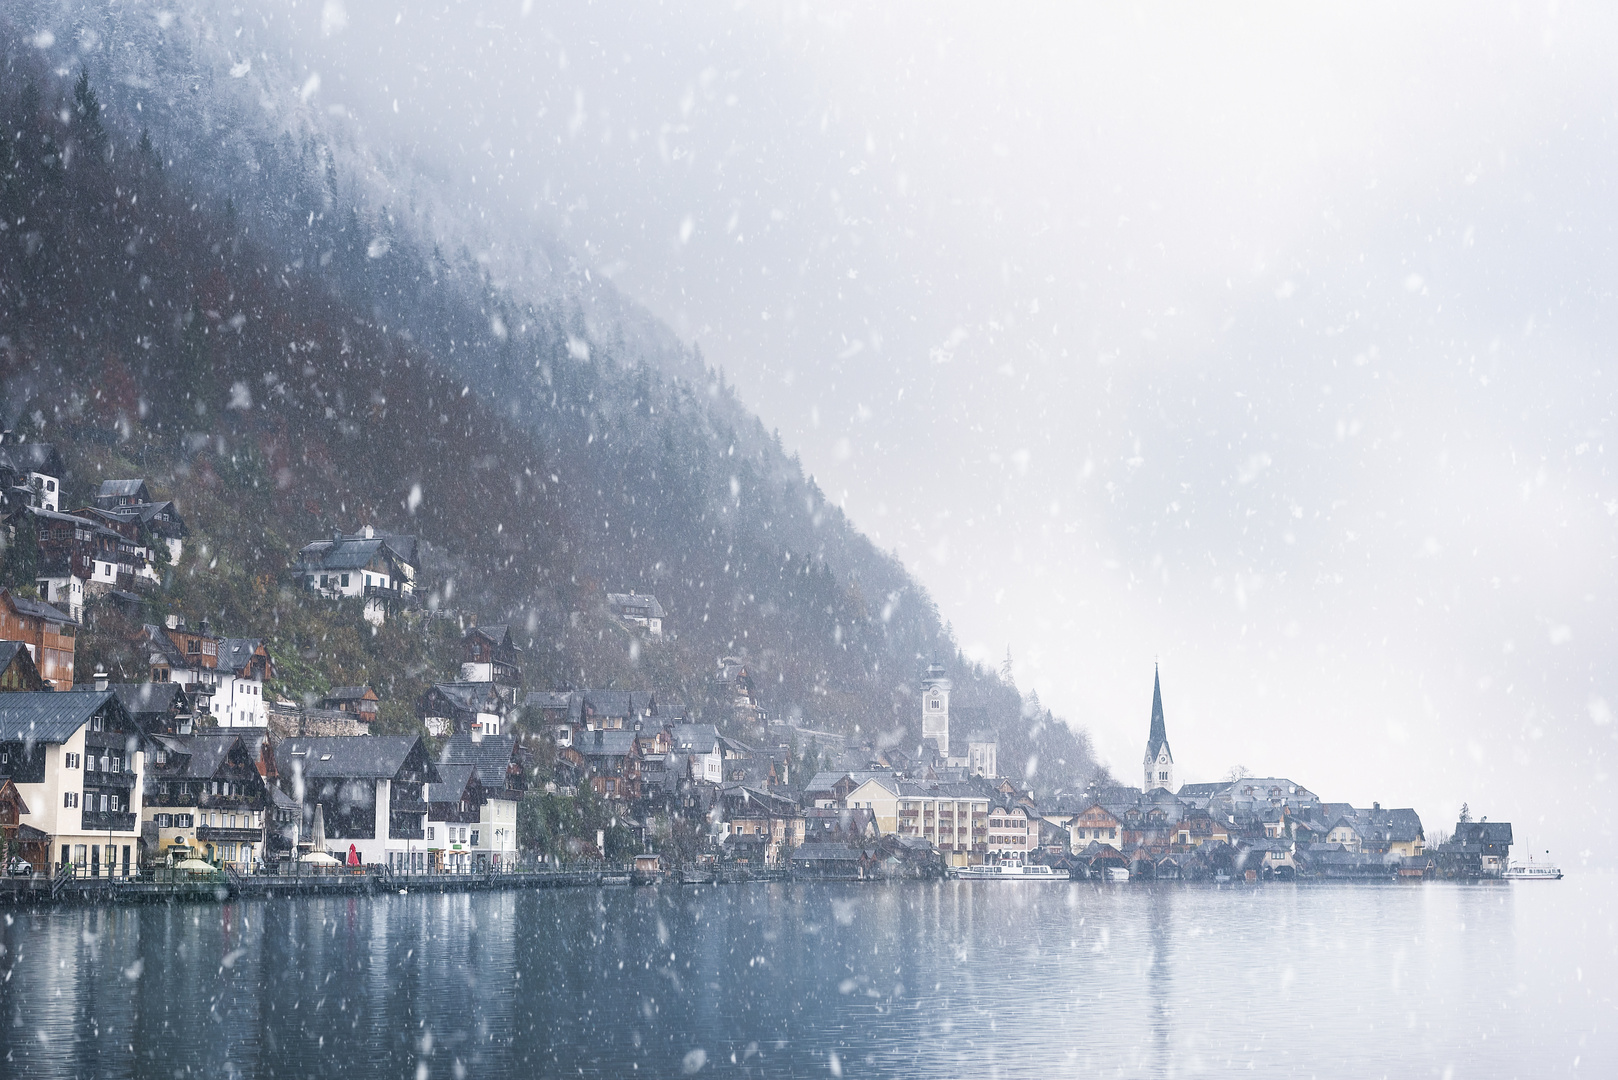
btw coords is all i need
(43, 892)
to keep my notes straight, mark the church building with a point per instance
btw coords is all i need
(1159, 764)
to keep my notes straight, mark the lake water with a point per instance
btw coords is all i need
(967, 979)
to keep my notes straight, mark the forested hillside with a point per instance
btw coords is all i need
(283, 386)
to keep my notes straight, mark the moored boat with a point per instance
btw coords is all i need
(1009, 872)
(1533, 871)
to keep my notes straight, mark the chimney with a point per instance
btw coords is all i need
(203, 627)
(100, 680)
(172, 622)
(370, 533)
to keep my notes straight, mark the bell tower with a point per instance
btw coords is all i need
(1159, 763)
(935, 690)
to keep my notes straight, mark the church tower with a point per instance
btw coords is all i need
(1159, 770)
(935, 690)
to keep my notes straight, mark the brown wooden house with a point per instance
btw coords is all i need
(48, 633)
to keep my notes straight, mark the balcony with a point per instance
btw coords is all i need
(223, 834)
(96, 821)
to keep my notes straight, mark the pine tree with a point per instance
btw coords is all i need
(87, 124)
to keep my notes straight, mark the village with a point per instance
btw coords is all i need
(201, 768)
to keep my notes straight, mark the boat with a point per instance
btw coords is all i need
(1533, 871)
(1009, 872)
(1117, 873)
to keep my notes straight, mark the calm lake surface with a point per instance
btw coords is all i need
(951, 979)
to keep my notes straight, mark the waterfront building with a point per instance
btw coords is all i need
(204, 799)
(78, 761)
(1013, 834)
(1095, 824)
(498, 763)
(370, 790)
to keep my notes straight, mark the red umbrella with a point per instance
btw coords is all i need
(353, 856)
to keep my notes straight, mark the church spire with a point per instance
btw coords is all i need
(1159, 760)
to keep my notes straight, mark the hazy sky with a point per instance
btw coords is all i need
(1270, 343)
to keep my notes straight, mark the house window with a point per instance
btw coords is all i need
(95, 723)
(345, 581)
(70, 799)
(429, 832)
(114, 801)
(474, 838)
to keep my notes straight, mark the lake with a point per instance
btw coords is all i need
(945, 979)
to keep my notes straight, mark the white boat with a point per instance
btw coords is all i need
(1533, 871)
(1117, 873)
(1009, 872)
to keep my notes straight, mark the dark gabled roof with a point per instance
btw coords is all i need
(490, 755)
(499, 633)
(40, 457)
(159, 641)
(236, 653)
(826, 853)
(451, 784)
(330, 555)
(625, 703)
(123, 489)
(151, 697)
(209, 752)
(9, 650)
(471, 696)
(642, 605)
(1476, 832)
(695, 738)
(379, 757)
(1158, 739)
(35, 608)
(1202, 791)
(610, 742)
(49, 716)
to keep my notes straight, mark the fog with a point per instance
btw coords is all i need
(1271, 349)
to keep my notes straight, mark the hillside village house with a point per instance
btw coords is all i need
(463, 708)
(492, 655)
(243, 667)
(638, 609)
(371, 792)
(47, 633)
(35, 467)
(376, 567)
(157, 521)
(359, 700)
(78, 762)
(17, 670)
(77, 557)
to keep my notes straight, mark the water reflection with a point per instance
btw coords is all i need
(941, 979)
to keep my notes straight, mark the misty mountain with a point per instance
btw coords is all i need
(287, 358)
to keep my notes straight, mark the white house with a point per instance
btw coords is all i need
(379, 567)
(78, 760)
(238, 700)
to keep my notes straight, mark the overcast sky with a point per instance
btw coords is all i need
(1268, 343)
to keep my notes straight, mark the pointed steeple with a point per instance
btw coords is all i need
(1159, 760)
(1159, 737)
